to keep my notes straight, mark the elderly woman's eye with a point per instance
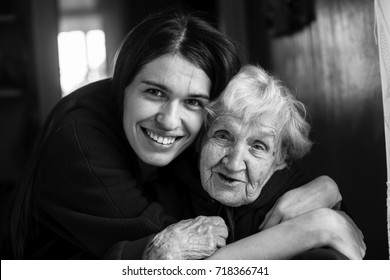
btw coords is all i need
(221, 135)
(259, 146)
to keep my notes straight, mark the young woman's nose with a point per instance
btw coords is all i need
(168, 116)
(234, 159)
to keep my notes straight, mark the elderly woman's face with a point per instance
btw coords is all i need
(238, 158)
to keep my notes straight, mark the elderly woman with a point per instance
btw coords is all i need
(256, 131)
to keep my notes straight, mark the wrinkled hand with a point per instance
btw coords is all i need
(322, 192)
(189, 239)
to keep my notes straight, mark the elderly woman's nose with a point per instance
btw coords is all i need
(169, 116)
(234, 159)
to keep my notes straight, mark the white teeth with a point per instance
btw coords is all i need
(160, 139)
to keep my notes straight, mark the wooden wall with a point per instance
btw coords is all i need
(333, 67)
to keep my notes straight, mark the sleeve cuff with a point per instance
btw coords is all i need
(128, 250)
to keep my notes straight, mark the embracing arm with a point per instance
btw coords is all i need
(318, 228)
(90, 193)
(91, 198)
(321, 192)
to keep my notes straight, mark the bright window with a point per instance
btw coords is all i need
(82, 58)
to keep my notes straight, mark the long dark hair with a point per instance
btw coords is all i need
(171, 31)
(177, 32)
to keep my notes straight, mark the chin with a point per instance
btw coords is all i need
(229, 202)
(157, 161)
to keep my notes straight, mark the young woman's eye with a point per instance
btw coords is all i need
(155, 92)
(194, 103)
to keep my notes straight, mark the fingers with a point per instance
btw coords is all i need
(220, 242)
(354, 229)
(214, 222)
(210, 231)
(218, 232)
(351, 238)
(353, 251)
(190, 239)
(363, 250)
(207, 235)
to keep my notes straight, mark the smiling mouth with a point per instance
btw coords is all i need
(227, 179)
(162, 140)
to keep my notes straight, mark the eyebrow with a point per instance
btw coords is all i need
(260, 131)
(267, 131)
(165, 88)
(263, 132)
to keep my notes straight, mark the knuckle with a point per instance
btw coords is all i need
(199, 218)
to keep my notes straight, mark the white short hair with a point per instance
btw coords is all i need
(254, 94)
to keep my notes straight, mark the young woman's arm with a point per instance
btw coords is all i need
(318, 228)
(321, 192)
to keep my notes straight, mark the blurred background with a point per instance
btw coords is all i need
(324, 50)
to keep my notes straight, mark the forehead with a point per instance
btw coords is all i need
(260, 126)
(175, 71)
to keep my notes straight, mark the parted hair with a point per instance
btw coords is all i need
(174, 31)
(254, 94)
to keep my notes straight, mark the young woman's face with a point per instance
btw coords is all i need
(238, 158)
(163, 108)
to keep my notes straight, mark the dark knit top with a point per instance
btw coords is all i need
(90, 192)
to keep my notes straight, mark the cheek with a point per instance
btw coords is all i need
(130, 105)
(210, 156)
(194, 122)
(259, 170)
(259, 174)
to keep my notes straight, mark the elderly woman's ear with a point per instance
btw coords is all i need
(280, 159)
(280, 166)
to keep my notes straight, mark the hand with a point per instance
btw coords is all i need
(315, 229)
(322, 192)
(326, 227)
(189, 239)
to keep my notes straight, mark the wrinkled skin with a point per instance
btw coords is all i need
(189, 239)
(238, 158)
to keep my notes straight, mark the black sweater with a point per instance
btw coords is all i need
(90, 192)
